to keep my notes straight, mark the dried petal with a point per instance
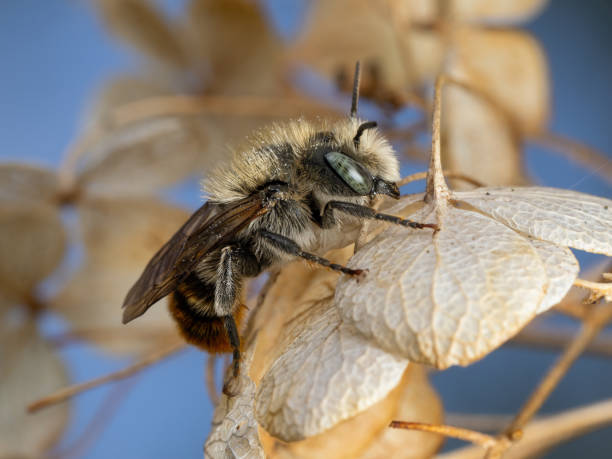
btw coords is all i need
(144, 157)
(510, 68)
(235, 40)
(419, 403)
(32, 244)
(91, 303)
(143, 26)
(367, 434)
(561, 269)
(29, 369)
(234, 432)
(449, 298)
(120, 237)
(326, 374)
(128, 231)
(498, 11)
(563, 217)
(479, 141)
(22, 182)
(401, 58)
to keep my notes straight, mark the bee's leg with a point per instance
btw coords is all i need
(226, 291)
(357, 210)
(290, 247)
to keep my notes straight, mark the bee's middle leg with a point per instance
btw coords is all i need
(291, 247)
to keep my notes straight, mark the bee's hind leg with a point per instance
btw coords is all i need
(235, 262)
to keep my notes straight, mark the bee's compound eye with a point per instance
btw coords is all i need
(351, 172)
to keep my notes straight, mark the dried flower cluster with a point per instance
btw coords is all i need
(329, 362)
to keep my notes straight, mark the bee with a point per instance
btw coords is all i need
(296, 191)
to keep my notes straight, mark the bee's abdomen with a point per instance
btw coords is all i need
(191, 305)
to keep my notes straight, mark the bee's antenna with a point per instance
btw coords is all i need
(355, 101)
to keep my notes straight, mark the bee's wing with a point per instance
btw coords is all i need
(208, 228)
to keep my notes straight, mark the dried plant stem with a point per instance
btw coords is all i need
(70, 391)
(598, 289)
(576, 151)
(99, 421)
(449, 174)
(593, 323)
(436, 185)
(577, 311)
(479, 422)
(543, 433)
(211, 387)
(218, 105)
(471, 436)
(553, 338)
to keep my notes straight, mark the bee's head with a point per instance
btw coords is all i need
(352, 158)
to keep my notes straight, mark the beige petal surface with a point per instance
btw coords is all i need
(401, 57)
(237, 43)
(22, 182)
(32, 244)
(326, 374)
(144, 27)
(144, 157)
(91, 302)
(496, 11)
(128, 231)
(234, 432)
(479, 141)
(509, 67)
(29, 369)
(563, 217)
(446, 299)
(368, 434)
(120, 236)
(418, 402)
(561, 269)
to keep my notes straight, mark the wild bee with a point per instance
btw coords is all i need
(298, 190)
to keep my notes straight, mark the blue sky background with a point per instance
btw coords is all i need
(55, 55)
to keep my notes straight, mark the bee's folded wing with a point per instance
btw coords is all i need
(211, 226)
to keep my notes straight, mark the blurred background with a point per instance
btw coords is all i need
(103, 178)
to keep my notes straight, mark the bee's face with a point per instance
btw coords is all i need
(342, 163)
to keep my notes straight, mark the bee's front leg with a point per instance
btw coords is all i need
(290, 247)
(360, 211)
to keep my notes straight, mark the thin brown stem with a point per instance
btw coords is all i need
(217, 105)
(98, 422)
(68, 392)
(436, 185)
(595, 160)
(471, 436)
(555, 338)
(593, 323)
(449, 174)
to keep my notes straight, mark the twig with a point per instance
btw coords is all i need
(70, 391)
(543, 433)
(108, 408)
(598, 289)
(471, 436)
(577, 151)
(217, 105)
(479, 422)
(448, 174)
(554, 338)
(593, 323)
